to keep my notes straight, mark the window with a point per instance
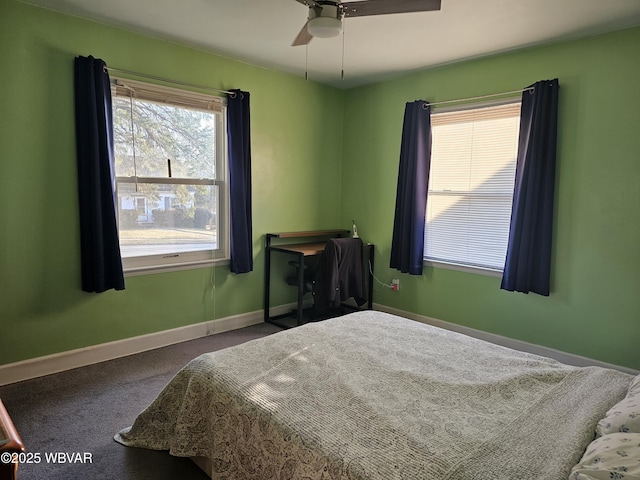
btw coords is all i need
(471, 182)
(172, 195)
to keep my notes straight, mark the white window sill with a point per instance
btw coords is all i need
(174, 267)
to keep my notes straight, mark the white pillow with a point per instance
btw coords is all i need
(624, 416)
(612, 457)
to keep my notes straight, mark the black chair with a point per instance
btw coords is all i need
(309, 267)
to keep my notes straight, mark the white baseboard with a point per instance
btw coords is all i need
(564, 357)
(59, 362)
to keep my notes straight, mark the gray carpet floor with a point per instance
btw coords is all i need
(79, 411)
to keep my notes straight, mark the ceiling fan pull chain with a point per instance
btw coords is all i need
(342, 71)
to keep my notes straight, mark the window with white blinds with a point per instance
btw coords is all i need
(471, 181)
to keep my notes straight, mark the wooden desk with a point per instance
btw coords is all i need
(299, 249)
(304, 249)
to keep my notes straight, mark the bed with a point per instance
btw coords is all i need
(374, 396)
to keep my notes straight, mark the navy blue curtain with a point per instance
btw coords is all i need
(407, 245)
(528, 262)
(239, 145)
(101, 263)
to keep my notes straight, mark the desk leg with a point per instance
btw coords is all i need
(370, 271)
(267, 281)
(300, 289)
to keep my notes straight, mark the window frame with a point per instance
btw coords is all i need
(451, 264)
(188, 99)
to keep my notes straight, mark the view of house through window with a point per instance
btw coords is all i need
(471, 184)
(171, 190)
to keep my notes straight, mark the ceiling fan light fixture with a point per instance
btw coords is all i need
(324, 27)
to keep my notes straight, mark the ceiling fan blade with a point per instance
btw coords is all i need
(303, 38)
(385, 7)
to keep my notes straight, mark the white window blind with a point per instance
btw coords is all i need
(471, 183)
(166, 95)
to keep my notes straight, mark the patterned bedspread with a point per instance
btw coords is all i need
(378, 397)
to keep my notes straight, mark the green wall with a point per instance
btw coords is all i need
(594, 306)
(302, 181)
(42, 309)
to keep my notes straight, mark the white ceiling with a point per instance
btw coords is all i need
(375, 48)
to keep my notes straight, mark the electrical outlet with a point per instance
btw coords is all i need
(395, 284)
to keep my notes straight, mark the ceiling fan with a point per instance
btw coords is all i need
(325, 16)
